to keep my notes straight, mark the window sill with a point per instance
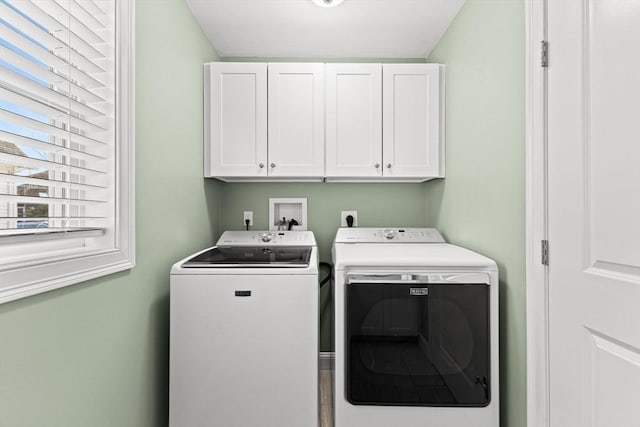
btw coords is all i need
(31, 235)
(35, 279)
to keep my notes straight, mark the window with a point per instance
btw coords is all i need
(66, 142)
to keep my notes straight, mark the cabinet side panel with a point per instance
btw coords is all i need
(354, 119)
(238, 119)
(207, 111)
(411, 120)
(296, 120)
(355, 127)
(411, 124)
(294, 126)
(238, 115)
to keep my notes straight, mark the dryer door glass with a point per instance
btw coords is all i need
(417, 344)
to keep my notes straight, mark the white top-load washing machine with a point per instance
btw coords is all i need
(416, 331)
(244, 332)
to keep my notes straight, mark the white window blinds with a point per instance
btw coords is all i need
(57, 127)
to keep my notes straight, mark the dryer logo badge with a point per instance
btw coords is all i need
(418, 291)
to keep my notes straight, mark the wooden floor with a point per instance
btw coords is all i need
(326, 398)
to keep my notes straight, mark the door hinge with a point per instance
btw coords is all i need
(544, 60)
(545, 252)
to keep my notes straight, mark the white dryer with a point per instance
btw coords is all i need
(416, 331)
(244, 333)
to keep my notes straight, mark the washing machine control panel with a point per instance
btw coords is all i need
(388, 235)
(258, 238)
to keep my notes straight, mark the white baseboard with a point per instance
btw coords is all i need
(327, 360)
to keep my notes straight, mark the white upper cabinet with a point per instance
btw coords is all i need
(411, 121)
(306, 121)
(235, 108)
(384, 121)
(296, 120)
(354, 120)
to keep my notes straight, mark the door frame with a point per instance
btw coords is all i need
(536, 221)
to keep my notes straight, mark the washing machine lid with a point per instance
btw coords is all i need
(252, 257)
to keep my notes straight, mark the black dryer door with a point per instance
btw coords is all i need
(417, 344)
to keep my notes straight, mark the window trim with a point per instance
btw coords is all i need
(33, 278)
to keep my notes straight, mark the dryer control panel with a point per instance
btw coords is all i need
(388, 235)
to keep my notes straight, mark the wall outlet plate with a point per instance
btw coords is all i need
(345, 214)
(247, 215)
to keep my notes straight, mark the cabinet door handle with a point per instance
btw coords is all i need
(273, 165)
(377, 165)
(388, 165)
(261, 165)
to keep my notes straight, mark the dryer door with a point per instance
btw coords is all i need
(414, 343)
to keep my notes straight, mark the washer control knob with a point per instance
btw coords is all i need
(377, 165)
(389, 233)
(266, 237)
(261, 165)
(388, 165)
(273, 165)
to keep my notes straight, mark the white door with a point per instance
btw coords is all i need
(354, 120)
(235, 119)
(296, 120)
(594, 212)
(411, 136)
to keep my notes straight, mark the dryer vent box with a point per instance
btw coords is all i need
(288, 208)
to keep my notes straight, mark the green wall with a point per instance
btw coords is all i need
(377, 205)
(480, 203)
(96, 354)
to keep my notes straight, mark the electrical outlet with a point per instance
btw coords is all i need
(247, 215)
(345, 214)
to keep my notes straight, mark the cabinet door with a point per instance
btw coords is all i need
(412, 137)
(235, 119)
(296, 120)
(354, 120)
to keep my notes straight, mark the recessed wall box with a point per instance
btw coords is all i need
(289, 209)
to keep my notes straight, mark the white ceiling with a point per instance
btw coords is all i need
(299, 28)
